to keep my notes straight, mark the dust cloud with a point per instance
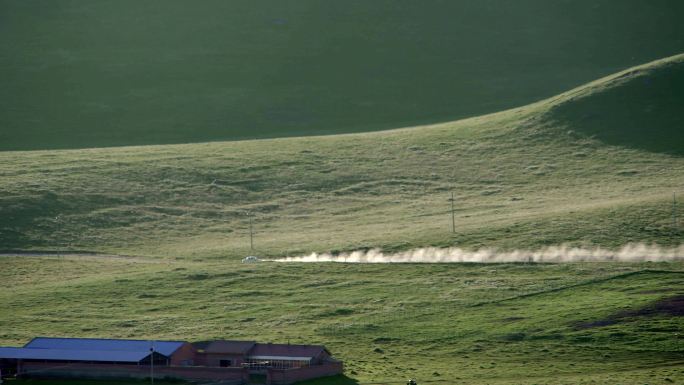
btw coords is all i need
(553, 254)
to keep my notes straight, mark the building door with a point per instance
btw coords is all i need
(226, 363)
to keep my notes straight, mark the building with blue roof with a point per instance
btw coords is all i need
(166, 348)
(42, 354)
(230, 362)
(129, 357)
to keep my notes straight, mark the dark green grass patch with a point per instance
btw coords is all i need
(642, 110)
(94, 73)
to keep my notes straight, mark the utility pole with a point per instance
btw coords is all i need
(674, 212)
(453, 214)
(251, 232)
(152, 363)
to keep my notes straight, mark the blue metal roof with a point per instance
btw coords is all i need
(166, 348)
(73, 355)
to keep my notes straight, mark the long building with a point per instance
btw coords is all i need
(231, 362)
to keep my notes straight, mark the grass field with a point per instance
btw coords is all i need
(580, 323)
(523, 178)
(593, 166)
(94, 73)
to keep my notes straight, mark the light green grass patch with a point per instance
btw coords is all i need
(447, 323)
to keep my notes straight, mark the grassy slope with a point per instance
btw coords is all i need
(451, 324)
(526, 177)
(640, 108)
(91, 73)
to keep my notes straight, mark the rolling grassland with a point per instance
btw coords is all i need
(595, 166)
(576, 323)
(525, 178)
(97, 73)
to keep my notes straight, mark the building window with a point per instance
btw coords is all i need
(226, 363)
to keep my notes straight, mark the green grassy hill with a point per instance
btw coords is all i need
(93, 73)
(523, 178)
(501, 324)
(640, 108)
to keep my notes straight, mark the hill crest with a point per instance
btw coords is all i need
(641, 107)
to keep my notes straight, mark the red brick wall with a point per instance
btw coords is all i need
(228, 376)
(289, 376)
(214, 359)
(96, 371)
(183, 354)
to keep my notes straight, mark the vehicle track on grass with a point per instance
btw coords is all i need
(72, 254)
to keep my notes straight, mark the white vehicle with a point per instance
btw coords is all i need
(250, 259)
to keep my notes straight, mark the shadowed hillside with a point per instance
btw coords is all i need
(642, 108)
(523, 178)
(92, 73)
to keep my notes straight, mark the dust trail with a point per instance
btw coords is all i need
(636, 252)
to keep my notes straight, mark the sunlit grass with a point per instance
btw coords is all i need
(450, 323)
(522, 179)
